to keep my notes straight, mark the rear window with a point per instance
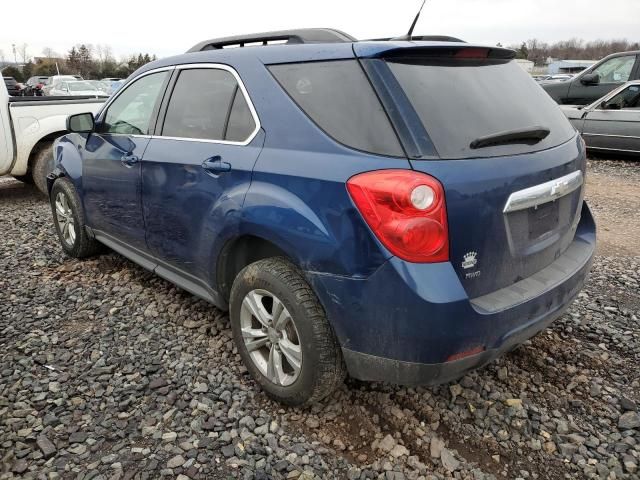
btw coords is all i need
(461, 101)
(338, 97)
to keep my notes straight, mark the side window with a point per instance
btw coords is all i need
(616, 70)
(131, 112)
(628, 98)
(241, 123)
(207, 104)
(337, 96)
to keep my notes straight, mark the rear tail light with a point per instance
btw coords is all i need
(472, 52)
(406, 211)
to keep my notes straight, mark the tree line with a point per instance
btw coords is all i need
(87, 60)
(573, 49)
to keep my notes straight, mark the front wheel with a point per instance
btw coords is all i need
(283, 335)
(68, 219)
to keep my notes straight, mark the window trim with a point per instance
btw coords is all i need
(240, 86)
(154, 115)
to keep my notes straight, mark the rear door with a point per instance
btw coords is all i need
(512, 202)
(198, 166)
(613, 73)
(111, 160)
(617, 126)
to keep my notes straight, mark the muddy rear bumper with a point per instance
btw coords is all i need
(378, 369)
(414, 324)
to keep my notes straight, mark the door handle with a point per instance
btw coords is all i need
(130, 160)
(216, 166)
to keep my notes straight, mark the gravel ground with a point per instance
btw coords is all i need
(107, 371)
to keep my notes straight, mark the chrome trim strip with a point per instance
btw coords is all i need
(247, 98)
(612, 149)
(610, 136)
(186, 66)
(543, 193)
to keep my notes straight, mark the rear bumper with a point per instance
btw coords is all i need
(411, 323)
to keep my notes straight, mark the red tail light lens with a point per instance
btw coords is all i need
(406, 211)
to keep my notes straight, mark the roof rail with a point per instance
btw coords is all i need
(299, 36)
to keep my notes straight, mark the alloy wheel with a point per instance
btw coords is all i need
(271, 337)
(66, 222)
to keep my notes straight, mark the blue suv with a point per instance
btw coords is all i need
(397, 210)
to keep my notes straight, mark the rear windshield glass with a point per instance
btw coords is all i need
(461, 101)
(340, 100)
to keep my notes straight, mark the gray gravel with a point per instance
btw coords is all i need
(109, 372)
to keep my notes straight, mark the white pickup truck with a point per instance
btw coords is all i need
(28, 127)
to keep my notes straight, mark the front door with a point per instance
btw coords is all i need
(616, 125)
(612, 74)
(111, 161)
(198, 168)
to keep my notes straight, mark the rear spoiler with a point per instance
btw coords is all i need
(444, 50)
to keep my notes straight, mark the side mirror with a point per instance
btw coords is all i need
(81, 123)
(590, 79)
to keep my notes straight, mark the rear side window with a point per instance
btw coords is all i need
(461, 101)
(241, 123)
(337, 96)
(208, 104)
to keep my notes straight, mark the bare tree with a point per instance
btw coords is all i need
(574, 49)
(23, 52)
(49, 53)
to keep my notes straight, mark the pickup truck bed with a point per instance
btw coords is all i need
(28, 127)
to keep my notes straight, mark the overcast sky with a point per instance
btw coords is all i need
(171, 27)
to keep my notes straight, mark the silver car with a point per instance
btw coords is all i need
(611, 123)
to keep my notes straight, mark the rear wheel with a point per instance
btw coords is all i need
(282, 333)
(68, 219)
(42, 166)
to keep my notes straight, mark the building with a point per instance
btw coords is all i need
(526, 65)
(568, 66)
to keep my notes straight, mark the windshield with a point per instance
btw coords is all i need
(81, 87)
(460, 102)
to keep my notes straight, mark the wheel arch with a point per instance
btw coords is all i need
(36, 147)
(240, 252)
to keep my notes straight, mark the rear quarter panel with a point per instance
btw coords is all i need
(298, 197)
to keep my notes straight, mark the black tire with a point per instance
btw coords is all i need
(82, 245)
(322, 368)
(24, 178)
(42, 165)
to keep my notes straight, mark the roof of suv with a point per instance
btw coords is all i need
(306, 45)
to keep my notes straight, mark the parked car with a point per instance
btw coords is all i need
(99, 84)
(76, 88)
(540, 78)
(34, 86)
(112, 79)
(611, 123)
(114, 86)
(55, 79)
(559, 78)
(597, 80)
(12, 86)
(28, 126)
(344, 217)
